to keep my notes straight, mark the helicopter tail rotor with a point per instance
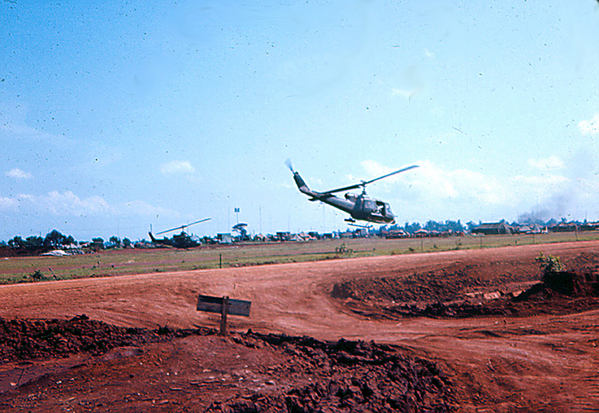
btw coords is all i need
(301, 184)
(288, 164)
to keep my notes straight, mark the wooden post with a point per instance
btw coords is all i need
(223, 319)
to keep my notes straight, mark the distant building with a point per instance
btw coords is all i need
(565, 227)
(224, 238)
(314, 234)
(493, 228)
(302, 237)
(421, 233)
(589, 226)
(283, 236)
(396, 233)
(527, 229)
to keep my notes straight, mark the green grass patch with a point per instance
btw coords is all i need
(131, 261)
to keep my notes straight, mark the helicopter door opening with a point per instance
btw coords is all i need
(370, 205)
(381, 208)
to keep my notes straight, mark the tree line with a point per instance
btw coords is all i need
(56, 240)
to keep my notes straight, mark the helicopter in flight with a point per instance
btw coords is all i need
(182, 240)
(360, 207)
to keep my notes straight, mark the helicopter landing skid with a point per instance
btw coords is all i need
(368, 226)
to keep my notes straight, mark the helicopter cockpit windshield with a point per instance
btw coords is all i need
(387, 209)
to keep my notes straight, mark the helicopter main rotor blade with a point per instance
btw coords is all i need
(392, 173)
(183, 226)
(364, 183)
(345, 188)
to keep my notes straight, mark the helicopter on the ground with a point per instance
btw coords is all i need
(360, 207)
(182, 240)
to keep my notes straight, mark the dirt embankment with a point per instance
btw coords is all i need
(506, 288)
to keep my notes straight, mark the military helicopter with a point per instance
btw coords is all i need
(360, 207)
(182, 240)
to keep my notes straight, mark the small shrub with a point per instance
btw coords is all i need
(37, 276)
(549, 264)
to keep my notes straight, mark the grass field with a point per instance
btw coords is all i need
(131, 261)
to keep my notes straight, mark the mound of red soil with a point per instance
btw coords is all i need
(41, 339)
(349, 376)
(477, 290)
(343, 376)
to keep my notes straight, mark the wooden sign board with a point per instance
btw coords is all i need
(215, 305)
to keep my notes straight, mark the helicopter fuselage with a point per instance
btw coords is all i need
(360, 207)
(182, 240)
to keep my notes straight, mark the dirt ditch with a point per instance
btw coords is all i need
(508, 288)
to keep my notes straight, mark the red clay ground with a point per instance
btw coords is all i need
(537, 354)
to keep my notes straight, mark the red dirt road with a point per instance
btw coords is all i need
(540, 363)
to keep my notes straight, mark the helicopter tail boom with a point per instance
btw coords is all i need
(303, 187)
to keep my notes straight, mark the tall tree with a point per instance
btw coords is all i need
(54, 239)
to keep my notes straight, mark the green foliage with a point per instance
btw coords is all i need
(549, 264)
(342, 249)
(97, 244)
(55, 239)
(411, 228)
(37, 276)
(34, 243)
(16, 242)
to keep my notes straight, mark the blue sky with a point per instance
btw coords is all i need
(121, 115)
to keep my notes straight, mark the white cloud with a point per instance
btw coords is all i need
(590, 127)
(66, 203)
(437, 193)
(413, 83)
(177, 167)
(460, 185)
(408, 94)
(16, 173)
(553, 162)
(142, 208)
(375, 169)
(8, 203)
